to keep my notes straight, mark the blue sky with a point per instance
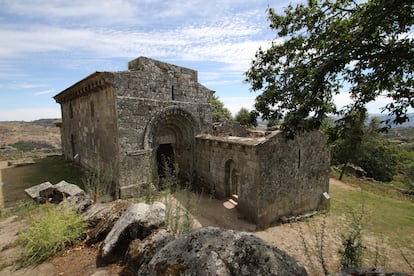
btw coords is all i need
(47, 45)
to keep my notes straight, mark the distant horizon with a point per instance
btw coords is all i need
(409, 123)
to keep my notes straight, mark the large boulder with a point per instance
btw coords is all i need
(78, 202)
(101, 218)
(140, 252)
(215, 251)
(61, 190)
(137, 222)
(75, 196)
(34, 191)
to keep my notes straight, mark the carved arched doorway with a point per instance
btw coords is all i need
(171, 136)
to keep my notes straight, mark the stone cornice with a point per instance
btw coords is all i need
(93, 82)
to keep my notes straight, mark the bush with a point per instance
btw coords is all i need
(98, 182)
(30, 145)
(51, 230)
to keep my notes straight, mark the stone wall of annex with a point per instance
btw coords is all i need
(294, 174)
(275, 177)
(227, 166)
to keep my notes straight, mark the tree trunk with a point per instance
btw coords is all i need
(343, 171)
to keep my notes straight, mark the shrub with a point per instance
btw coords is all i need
(50, 231)
(353, 248)
(98, 182)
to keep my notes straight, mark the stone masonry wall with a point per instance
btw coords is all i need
(212, 154)
(151, 90)
(89, 128)
(293, 175)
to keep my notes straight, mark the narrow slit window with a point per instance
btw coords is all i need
(298, 158)
(172, 92)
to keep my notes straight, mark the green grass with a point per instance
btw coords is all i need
(30, 145)
(375, 187)
(384, 216)
(51, 230)
(54, 169)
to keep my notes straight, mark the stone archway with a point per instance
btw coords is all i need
(173, 131)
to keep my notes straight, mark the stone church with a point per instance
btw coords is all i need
(131, 120)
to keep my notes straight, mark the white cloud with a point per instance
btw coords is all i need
(342, 99)
(29, 114)
(374, 107)
(83, 11)
(45, 92)
(235, 103)
(16, 85)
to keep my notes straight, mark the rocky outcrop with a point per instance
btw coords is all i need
(61, 190)
(215, 251)
(368, 272)
(34, 191)
(75, 196)
(137, 222)
(101, 218)
(140, 252)
(134, 235)
(78, 202)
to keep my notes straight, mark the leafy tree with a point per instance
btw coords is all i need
(364, 146)
(348, 135)
(272, 122)
(328, 46)
(377, 156)
(246, 117)
(218, 109)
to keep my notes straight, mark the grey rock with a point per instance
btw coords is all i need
(141, 251)
(373, 271)
(78, 202)
(34, 191)
(101, 218)
(57, 192)
(355, 170)
(68, 189)
(138, 221)
(215, 251)
(95, 213)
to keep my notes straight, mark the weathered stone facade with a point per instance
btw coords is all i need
(271, 176)
(127, 120)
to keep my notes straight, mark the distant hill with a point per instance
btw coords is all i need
(383, 117)
(40, 131)
(44, 122)
(400, 135)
